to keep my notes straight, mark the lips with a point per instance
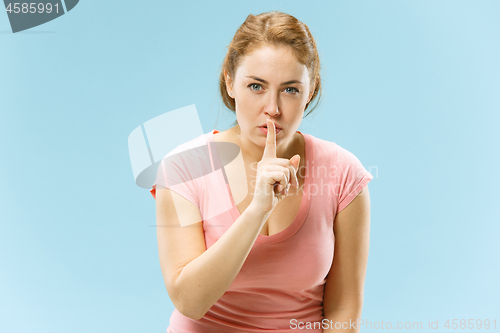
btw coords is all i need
(264, 130)
(275, 125)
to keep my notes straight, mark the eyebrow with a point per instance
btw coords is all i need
(264, 81)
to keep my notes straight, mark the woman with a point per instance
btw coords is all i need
(266, 263)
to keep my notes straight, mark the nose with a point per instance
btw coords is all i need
(272, 105)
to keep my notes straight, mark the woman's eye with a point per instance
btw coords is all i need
(253, 84)
(296, 90)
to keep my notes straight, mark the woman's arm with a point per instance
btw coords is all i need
(195, 277)
(343, 299)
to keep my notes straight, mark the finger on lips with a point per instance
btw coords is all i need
(270, 152)
(270, 149)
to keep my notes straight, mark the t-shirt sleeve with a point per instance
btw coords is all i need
(174, 172)
(352, 177)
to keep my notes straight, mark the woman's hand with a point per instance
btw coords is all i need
(274, 175)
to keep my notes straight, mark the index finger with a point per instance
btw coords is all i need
(270, 149)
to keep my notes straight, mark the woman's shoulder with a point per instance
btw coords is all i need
(329, 149)
(190, 144)
(321, 148)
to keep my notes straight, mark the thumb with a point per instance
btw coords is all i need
(295, 160)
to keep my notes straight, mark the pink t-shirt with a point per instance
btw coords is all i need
(281, 283)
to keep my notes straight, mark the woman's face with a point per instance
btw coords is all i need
(263, 89)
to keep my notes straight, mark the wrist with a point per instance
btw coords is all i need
(256, 212)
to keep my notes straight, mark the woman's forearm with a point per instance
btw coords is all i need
(205, 279)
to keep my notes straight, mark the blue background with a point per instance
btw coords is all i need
(410, 87)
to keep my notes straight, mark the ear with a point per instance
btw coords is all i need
(311, 93)
(310, 96)
(229, 83)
